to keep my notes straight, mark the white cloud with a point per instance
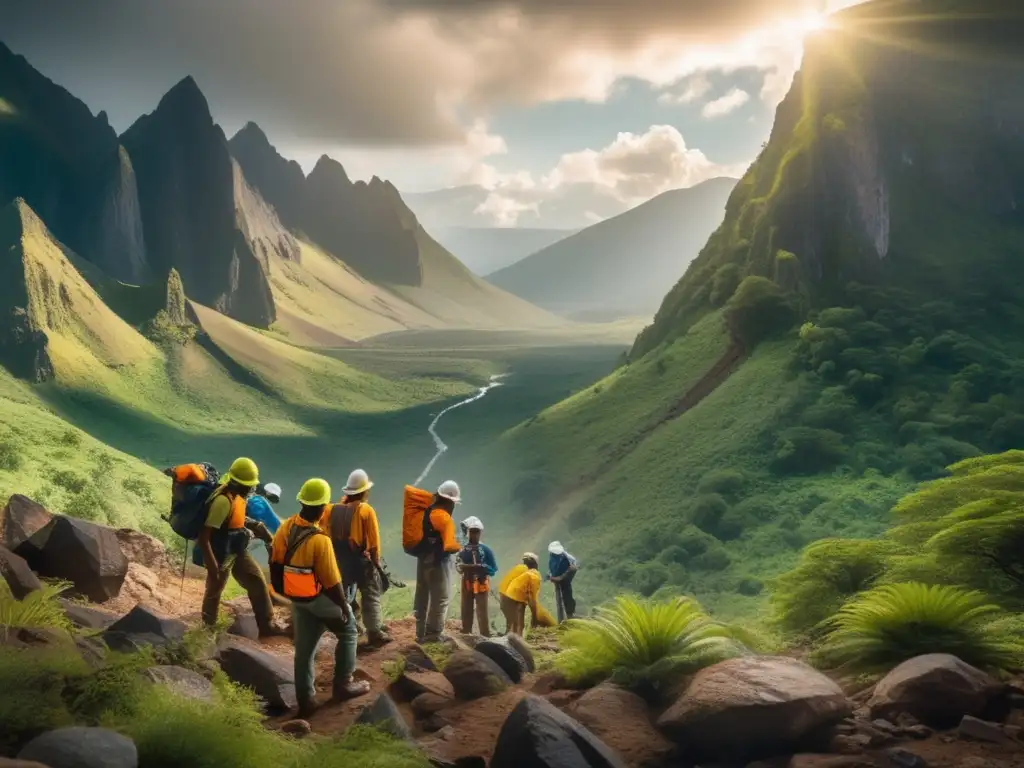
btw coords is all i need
(695, 87)
(726, 104)
(593, 184)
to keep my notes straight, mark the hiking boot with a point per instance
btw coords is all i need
(377, 639)
(307, 709)
(350, 690)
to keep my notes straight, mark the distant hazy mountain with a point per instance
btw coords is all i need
(488, 249)
(621, 266)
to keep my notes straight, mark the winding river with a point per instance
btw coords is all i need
(440, 445)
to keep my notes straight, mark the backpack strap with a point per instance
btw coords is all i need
(341, 524)
(303, 536)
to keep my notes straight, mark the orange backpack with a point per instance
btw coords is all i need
(418, 535)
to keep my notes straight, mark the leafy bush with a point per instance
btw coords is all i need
(69, 481)
(895, 622)
(757, 310)
(829, 573)
(10, 455)
(724, 283)
(728, 483)
(806, 451)
(707, 512)
(643, 644)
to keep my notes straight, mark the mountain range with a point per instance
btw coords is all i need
(620, 266)
(319, 258)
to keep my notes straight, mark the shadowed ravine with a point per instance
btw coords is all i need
(432, 429)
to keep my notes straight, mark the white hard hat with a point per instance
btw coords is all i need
(272, 489)
(450, 490)
(358, 482)
(473, 524)
(556, 548)
(531, 556)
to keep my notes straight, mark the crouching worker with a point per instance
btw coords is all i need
(224, 544)
(476, 563)
(520, 590)
(303, 569)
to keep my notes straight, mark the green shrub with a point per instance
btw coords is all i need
(889, 624)
(707, 512)
(807, 451)
(71, 438)
(643, 644)
(10, 455)
(724, 283)
(69, 481)
(33, 682)
(728, 483)
(364, 747)
(757, 310)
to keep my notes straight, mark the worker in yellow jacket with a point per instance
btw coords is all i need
(519, 590)
(304, 569)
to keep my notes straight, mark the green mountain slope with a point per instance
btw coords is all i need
(853, 326)
(654, 242)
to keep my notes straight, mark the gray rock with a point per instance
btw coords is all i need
(904, 758)
(17, 574)
(536, 734)
(622, 720)
(244, 625)
(82, 748)
(87, 555)
(753, 707)
(87, 617)
(384, 715)
(270, 677)
(414, 682)
(474, 676)
(183, 682)
(142, 626)
(981, 730)
(427, 704)
(524, 650)
(938, 689)
(19, 519)
(505, 654)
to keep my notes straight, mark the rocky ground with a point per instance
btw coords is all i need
(470, 702)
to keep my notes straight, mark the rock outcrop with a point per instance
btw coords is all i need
(937, 689)
(753, 707)
(19, 519)
(270, 677)
(87, 555)
(538, 735)
(187, 193)
(474, 676)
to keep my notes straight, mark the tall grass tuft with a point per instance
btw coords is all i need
(889, 624)
(645, 645)
(40, 609)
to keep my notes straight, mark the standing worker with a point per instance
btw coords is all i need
(224, 543)
(562, 568)
(355, 533)
(520, 590)
(476, 563)
(433, 564)
(304, 569)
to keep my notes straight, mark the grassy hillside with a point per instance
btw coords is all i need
(865, 280)
(583, 273)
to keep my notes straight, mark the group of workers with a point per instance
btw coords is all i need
(327, 552)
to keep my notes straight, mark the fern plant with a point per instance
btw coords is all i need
(39, 609)
(889, 624)
(644, 645)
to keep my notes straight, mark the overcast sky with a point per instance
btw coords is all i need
(533, 99)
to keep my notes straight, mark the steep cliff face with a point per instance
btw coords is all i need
(67, 166)
(187, 192)
(895, 158)
(279, 181)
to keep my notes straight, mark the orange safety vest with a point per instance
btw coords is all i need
(297, 582)
(236, 517)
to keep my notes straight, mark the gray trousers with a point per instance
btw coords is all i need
(369, 600)
(433, 593)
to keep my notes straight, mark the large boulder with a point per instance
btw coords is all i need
(384, 715)
(538, 735)
(937, 689)
(142, 626)
(752, 707)
(17, 574)
(145, 550)
(19, 519)
(82, 748)
(87, 555)
(502, 652)
(184, 682)
(474, 676)
(270, 677)
(87, 617)
(621, 719)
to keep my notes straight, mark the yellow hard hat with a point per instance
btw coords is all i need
(244, 472)
(314, 493)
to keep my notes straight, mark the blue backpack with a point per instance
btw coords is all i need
(190, 498)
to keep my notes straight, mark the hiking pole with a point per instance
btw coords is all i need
(184, 565)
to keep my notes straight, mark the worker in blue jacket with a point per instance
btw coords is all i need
(562, 568)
